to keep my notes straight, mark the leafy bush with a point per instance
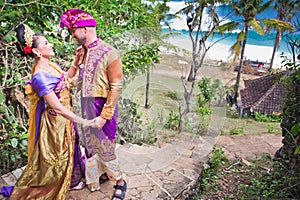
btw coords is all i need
(13, 138)
(129, 121)
(273, 130)
(211, 170)
(173, 95)
(172, 121)
(205, 95)
(278, 183)
(236, 131)
(205, 112)
(267, 118)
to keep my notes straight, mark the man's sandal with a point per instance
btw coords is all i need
(123, 190)
(103, 178)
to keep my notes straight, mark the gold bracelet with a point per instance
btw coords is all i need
(74, 66)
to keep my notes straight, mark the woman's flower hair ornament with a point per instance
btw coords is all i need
(28, 37)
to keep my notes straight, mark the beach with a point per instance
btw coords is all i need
(258, 47)
(221, 51)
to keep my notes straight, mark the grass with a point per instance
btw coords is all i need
(165, 83)
(233, 126)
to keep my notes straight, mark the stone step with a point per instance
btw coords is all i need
(151, 172)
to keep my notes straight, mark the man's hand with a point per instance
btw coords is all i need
(99, 122)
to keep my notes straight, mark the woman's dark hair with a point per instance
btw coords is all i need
(20, 31)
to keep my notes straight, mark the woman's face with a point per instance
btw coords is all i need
(44, 47)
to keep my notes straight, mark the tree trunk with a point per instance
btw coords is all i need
(237, 83)
(191, 74)
(147, 88)
(275, 48)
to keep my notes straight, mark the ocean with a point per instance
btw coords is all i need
(259, 47)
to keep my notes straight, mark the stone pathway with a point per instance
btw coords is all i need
(167, 173)
(250, 146)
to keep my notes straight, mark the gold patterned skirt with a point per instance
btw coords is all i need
(48, 172)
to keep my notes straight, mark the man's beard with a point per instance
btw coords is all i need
(81, 41)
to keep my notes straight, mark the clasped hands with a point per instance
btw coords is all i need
(97, 122)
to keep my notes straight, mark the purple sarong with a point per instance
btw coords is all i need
(101, 141)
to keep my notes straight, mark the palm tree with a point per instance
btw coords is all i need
(248, 9)
(285, 12)
(158, 12)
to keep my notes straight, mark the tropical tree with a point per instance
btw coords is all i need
(194, 11)
(285, 13)
(158, 12)
(293, 40)
(248, 10)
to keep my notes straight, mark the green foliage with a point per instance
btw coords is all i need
(275, 184)
(205, 95)
(273, 130)
(210, 90)
(210, 173)
(205, 112)
(131, 128)
(13, 140)
(138, 58)
(129, 120)
(172, 121)
(236, 131)
(173, 95)
(267, 118)
(263, 178)
(289, 160)
(291, 117)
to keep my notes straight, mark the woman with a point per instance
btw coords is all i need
(53, 154)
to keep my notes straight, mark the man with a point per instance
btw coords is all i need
(100, 76)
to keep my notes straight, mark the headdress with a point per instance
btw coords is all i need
(28, 37)
(75, 18)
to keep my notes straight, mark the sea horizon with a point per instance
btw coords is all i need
(258, 47)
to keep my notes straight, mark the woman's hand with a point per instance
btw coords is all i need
(80, 51)
(99, 122)
(87, 123)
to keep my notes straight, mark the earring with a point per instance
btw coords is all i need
(39, 55)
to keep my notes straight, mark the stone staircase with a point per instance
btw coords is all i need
(151, 172)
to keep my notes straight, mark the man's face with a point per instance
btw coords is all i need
(79, 34)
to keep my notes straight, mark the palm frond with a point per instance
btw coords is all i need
(235, 49)
(277, 24)
(227, 27)
(256, 26)
(185, 10)
(264, 6)
(240, 36)
(214, 15)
